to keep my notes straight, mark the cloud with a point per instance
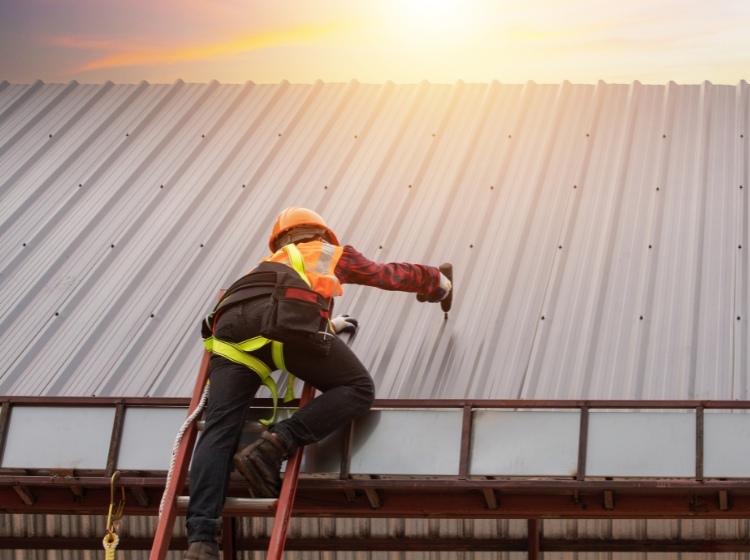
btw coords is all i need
(141, 55)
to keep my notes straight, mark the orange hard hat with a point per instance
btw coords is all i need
(294, 217)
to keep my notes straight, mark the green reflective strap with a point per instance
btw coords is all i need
(231, 352)
(271, 384)
(277, 351)
(298, 263)
(252, 344)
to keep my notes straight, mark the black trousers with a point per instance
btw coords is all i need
(347, 392)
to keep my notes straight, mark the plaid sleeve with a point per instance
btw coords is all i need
(355, 268)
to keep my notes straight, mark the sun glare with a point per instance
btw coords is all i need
(428, 21)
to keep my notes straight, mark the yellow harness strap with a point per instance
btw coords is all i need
(238, 352)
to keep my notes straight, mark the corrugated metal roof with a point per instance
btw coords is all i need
(32, 526)
(594, 230)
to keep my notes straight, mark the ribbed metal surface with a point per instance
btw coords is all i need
(140, 527)
(568, 211)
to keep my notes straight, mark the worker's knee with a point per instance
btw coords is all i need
(365, 390)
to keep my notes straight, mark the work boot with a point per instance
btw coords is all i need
(202, 550)
(260, 464)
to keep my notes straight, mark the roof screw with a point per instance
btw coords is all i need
(243, 186)
(355, 136)
(80, 185)
(279, 133)
(657, 188)
(126, 134)
(738, 318)
(433, 134)
(508, 135)
(740, 186)
(559, 246)
(542, 317)
(201, 244)
(649, 246)
(587, 135)
(380, 247)
(112, 246)
(740, 247)
(203, 135)
(742, 135)
(161, 186)
(325, 187)
(663, 135)
(491, 187)
(575, 186)
(409, 186)
(50, 136)
(24, 244)
(152, 314)
(471, 246)
(56, 314)
(641, 317)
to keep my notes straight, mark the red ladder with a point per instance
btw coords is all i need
(177, 483)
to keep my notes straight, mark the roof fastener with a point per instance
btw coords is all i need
(152, 314)
(508, 135)
(80, 185)
(542, 317)
(24, 244)
(243, 186)
(641, 318)
(126, 134)
(587, 135)
(325, 187)
(112, 246)
(471, 246)
(491, 187)
(56, 314)
(279, 133)
(409, 186)
(575, 186)
(380, 247)
(50, 136)
(355, 136)
(559, 246)
(649, 246)
(201, 244)
(203, 135)
(663, 135)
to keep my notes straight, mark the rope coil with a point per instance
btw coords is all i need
(190, 419)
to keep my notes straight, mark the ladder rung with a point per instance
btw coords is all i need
(237, 504)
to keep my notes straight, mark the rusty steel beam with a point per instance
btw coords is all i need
(114, 441)
(463, 464)
(415, 504)
(426, 485)
(397, 403)
(533, 539)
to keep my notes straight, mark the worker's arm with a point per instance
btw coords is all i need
(355, 268)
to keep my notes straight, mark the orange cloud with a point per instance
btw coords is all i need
(138, 55)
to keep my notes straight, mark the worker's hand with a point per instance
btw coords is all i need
(344, 324)
(442, 292)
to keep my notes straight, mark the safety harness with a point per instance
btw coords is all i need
(239, 352)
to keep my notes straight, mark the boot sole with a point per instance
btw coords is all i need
(257, 483)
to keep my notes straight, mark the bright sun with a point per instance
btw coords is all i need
(429, 21)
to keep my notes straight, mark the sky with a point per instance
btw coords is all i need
(406, 41)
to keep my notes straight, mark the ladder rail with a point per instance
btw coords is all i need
(288, 490)
(184, 453)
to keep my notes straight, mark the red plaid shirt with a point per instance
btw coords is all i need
(355, 268)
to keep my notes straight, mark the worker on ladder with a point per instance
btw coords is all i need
(277, 317)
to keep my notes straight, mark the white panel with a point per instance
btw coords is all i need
(147, 438)
(641, 444)
(58, 437)
(524, 443)
(407, 442)
(726, 445)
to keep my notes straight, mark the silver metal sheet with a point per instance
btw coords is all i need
(148, 435)
(524, 443)
(726, 445)
(552, 280)
(58, 437)
(641, 444)
(407, 442)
